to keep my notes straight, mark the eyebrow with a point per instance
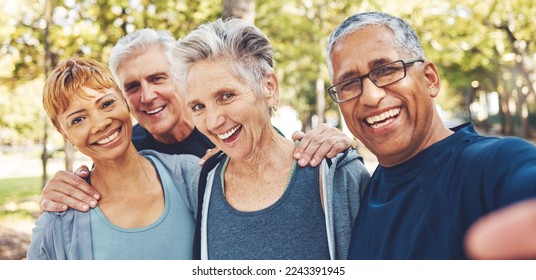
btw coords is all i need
(130, 84)
(74, 113)
(150, 76)
(161, 73)
(96, 102)
(372, 65)
(192, 103)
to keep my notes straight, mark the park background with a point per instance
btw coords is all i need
(484, 50)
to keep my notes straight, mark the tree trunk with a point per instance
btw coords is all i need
(508, 128)
(524, 92)
(69, 156)
(320, 99)
(524, 131)
(307, 122)
(48, 67)
(244, 9)
(507, 121)
(525, 125)
(523, 59)
(467, 108)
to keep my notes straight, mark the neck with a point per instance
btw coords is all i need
(270, 155)
(260, 180)
(120, 175)
(437, 132)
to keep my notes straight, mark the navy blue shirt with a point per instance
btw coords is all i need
(195, 144)
(422, 208)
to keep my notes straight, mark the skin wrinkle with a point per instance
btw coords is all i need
(149, 84)
(412, 130)
(220, 102)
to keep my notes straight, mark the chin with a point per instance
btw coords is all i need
(157, 129)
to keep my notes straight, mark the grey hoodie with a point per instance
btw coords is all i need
(343, 186)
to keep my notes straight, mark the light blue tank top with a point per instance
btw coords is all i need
(170, 237)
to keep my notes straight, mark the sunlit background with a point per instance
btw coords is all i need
(484, 49)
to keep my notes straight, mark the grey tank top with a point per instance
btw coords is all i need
(293, 228)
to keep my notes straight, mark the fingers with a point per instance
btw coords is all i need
(68, 190)
(208, 154)
(313, 152)
(298, 135)
(308, 142)
(73, 197)
(509, 233)
(82, 171)
(51, 206)
(324, 141)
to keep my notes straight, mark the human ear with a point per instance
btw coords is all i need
(431, 76)
(272, 87)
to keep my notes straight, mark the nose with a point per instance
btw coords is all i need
(99, 122)
(214, 119)
(371, 95)
(147, 93)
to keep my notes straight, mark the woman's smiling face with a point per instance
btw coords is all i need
(227, 110)
(97, 123)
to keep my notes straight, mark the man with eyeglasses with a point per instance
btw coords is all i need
(432, 182)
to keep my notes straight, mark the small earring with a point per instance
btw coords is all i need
(274, 108)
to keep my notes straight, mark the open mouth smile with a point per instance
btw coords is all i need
(227, 135)
(110, 138)
(157, 110)
(383, 119)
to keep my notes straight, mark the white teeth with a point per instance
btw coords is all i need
(372, 121)
(378, 125)
(229, 133)
(109, 138)
(155, 111)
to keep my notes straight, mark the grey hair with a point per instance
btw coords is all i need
(405, 37)
(236, 42)
(136, 43)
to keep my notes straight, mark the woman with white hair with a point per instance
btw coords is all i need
(259, 203)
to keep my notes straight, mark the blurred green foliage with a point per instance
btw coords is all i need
(489, 41)
(19, 189)
(18, 197)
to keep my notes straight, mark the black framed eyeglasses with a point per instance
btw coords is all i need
(382, 76)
